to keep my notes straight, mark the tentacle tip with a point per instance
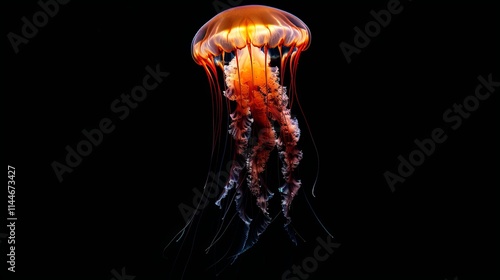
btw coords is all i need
(218, 203)
(291, 233)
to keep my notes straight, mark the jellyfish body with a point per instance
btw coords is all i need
(253, 46)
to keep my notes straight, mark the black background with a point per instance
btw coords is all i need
(119, 207)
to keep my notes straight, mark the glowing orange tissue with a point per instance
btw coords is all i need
(245, 52)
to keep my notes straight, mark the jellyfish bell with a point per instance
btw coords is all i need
(242, 29)
(256, 25)
(245, 52)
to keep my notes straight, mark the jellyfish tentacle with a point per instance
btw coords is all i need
(290, 157)
(256, 164)
(240, 129)
(289, 135)
(261, 151)
(246, 77)
(287, 142)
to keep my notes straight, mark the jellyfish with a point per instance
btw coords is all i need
(245, 52)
